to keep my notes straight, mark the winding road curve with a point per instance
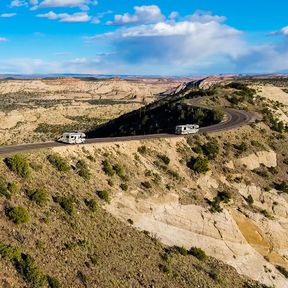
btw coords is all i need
(234, 119)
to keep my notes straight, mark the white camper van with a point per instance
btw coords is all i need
(187, 129)
(73, 138)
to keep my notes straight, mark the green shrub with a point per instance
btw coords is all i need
(165, 159)
(104, 195)
(13, 187)
(4, 191)
(198, 253)
(224, 196)
(119, 170)
(250, 200)
(53, 282)
(199, 164)
(142, 149)
(59, 163)
(91, 204)
(18, 215)
(124, 186)
(108, 168)
(181, 250)
(146, 184)
(19, 165)
(39, 196)
(67, 204)
(282, 270)
(211, 149)
(215, 206)
(9, 253)
(83, 170)
(27, 267)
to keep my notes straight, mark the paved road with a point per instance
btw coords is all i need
(234, 119)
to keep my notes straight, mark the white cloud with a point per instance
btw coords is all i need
(142, 14)
(200, 42)
(3, 39)
(18, 3)
(83, 4)
(8, 15)
(65, 17)
(283, 31)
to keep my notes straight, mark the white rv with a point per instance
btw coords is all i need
(73, 138)
(187, 129)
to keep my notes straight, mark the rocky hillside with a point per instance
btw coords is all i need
(199, 211)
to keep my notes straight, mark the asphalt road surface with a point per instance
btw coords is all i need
(234, 119)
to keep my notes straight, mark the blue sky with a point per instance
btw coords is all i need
(157, 37)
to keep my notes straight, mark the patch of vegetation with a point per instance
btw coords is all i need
(18, 215)
(198, 253)
(250, 200)
(39, 196)
(242, 147)
(282, 270)
(273, 122)
(211, 149)
(165, 159)
(108, 168)
(146, 184)
(104, 195)
(67, 204)
(266, 214)
(124, 186)
(142, 150)
(53, 282)
(91, 204)
(158, 117)
(9, 252)
(215, 206)
(19, 165)
(199, 164)
(83, 170)
(119, 170)
(282, 186)
(59, 163)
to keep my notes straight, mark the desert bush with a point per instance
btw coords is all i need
(124, 186)
(211, 149)
(282, 270)
(199, 164)
(67, 204)
(9, 253)
(142, 150)
(104, 195)
(119, 170)
(27, 267)
(165, 159)
(285, 161)
(39, 196)
(224, 196)
(242, 147)
(146, 184)
(4, 190)
(59, 163)
(283, 186)
(181, 250)
(91, 204)
(108, 168)
(215, 206)
(53, 282)
(19, 165)
(83, 169)
(13, 187)
(18, 215)
(198, 253)
(250, 200)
